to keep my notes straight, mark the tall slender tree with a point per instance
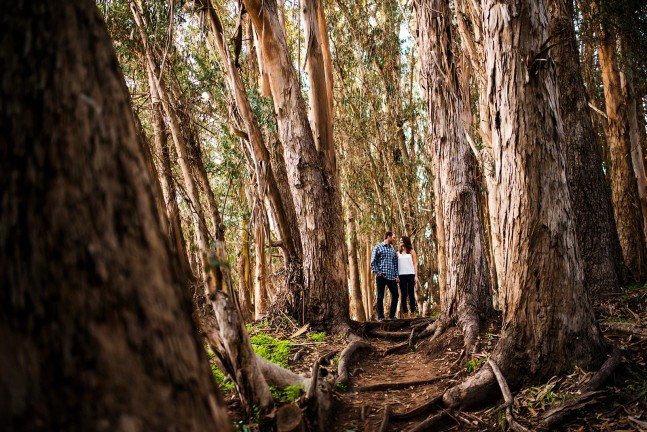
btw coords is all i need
(624, 188)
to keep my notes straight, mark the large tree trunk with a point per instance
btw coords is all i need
(624, 189)
(95, 318)
(548, 321)
(467, 280)
(594, 224)
(325, 301)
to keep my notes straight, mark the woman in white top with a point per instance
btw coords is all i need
(408, 271)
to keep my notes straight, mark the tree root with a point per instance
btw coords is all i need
(429, 422)
(420, 409)
(399, 385)
(401, 345)
(389, 334)
(385, 420)
(345, 357)
(507, 397)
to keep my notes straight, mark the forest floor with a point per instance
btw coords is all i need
(407, 379)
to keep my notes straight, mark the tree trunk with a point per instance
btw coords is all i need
(594, 224)
(356, 304)
(320, 84)
(202, 234)
(260, 281)
(325, 300)
(243, 266)
(268, 176)
(369, 282)
(166, 178)
(467, 279)
(624, 189)
(629, 95)
(542, 335)
(94, 317)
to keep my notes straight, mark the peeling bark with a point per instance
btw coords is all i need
(462, 253)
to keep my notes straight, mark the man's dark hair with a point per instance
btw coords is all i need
(388, 234)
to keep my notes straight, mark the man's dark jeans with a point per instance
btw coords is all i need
(407, 289)
(393, 289)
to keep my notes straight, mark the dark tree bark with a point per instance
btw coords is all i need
(94, 315)
(594, 223)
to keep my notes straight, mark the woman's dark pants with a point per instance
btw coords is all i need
(407, 289)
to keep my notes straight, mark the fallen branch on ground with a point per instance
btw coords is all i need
(385, 420)
(427, 424)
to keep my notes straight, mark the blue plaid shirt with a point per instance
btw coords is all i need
(385, 261)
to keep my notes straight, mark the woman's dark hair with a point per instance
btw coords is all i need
(406, 243)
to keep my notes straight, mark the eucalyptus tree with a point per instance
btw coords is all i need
(462, 254)
(96, 324)
(539, 264)
(316, 199)
(628, 187)
(594, 223)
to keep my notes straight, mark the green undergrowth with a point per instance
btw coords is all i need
(317, 337)
(474, 365)
(225, 385)
(288, 394)
(272, 349)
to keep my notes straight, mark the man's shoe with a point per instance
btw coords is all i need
(380, 319)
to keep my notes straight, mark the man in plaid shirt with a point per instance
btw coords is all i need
(384, 263)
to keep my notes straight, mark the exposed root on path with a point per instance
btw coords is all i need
(399, 384)
(345, 358)
(429, 422)
(419, 410)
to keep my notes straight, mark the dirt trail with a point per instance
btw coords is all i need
(400, 377)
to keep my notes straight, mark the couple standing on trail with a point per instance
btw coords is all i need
(391, 268)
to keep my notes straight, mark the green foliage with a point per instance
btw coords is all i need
(474, 365)
(341, 387)
(639, 389)
(501, 420)
(317, 337)
(241, 427)
(272, 349)
(220, 379)
(288, 394)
